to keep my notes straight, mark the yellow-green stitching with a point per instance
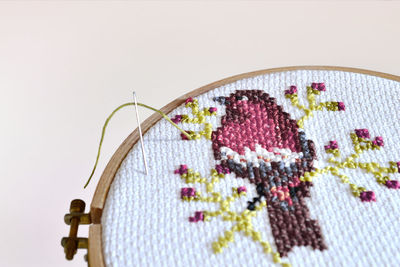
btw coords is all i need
(312, 104)
(242, 220)
(360, 145)
(198, 117)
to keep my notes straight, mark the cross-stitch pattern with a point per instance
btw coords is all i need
(260, 142)
(361, 143)
(199, 117)
(312, 91)
(242, 221)
(202, 202)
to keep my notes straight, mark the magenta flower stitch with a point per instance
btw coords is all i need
(212, 109)
(332, 145)
(291, 91)
(318, 86)
(367, 196)
(221, 169)
(341, 106)
(198, 216)
(378, 141)
(189, 100)
(177, 119)
(362, 133)
(184, 137)
(241, 189)
(393, 184)
(182, 169)
(188, 192)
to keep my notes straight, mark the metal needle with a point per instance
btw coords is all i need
(140, 133)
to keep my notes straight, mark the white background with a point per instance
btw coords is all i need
(65, 65)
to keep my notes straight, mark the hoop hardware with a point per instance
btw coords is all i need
(76, 217)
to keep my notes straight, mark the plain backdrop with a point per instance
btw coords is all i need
(64, 66)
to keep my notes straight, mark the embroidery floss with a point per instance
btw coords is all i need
(361, 143)
(312, 91)
(242, 221)
(108, 120)
(198, 117)
(260, 142)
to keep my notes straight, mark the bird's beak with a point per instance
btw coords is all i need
(220, 99)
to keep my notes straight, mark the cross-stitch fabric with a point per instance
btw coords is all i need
(149, 220)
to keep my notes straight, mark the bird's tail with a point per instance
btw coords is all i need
(294, 227)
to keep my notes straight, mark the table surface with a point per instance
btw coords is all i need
(64, 66)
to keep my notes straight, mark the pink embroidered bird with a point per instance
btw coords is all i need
(257, 140)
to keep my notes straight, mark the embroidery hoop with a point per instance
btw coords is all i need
(95, 255)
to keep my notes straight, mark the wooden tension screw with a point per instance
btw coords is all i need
(74, 219)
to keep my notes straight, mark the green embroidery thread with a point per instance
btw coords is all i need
(187, 135)
(361, 144)
(242, 220)
(198, 117)
(312, 91)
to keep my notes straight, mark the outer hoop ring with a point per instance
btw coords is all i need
(95, 251)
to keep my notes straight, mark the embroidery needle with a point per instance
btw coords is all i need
(140, 132)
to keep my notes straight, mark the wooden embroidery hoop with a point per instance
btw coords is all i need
(95, 251)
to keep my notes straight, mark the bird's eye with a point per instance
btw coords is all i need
(241, 98)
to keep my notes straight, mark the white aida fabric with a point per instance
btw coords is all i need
(145, 222)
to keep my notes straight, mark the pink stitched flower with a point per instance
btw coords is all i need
(363, 133)
(241, 189)
(318, 86)
(189, 100)
(188, 192)
(184, 137)
(393, 184)
(332, 145)
(177, 119)
(198, 216)
(291, 91)
(182, 169)
(378, 141)
(212, 109)
(341, 106)
(367, 196)
(222, 169)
